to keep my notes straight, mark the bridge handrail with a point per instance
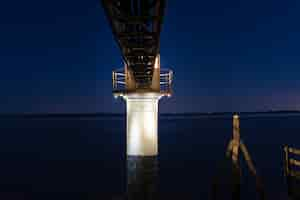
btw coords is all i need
(119, 79)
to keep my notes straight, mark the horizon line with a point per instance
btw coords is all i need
(164, 113)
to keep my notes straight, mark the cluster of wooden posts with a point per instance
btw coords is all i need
(291, 166)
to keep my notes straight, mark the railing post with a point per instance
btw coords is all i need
(171, 79)
(113, 79)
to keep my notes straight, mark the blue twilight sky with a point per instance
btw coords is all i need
(234, 55)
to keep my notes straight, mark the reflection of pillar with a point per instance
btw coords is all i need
(142, 177)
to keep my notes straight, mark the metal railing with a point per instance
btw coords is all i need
(119, 80)
(166, 79)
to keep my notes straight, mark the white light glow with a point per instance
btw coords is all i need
(142, 114)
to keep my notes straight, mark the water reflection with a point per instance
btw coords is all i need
(142, 173)
(142, 177)
(226, 183)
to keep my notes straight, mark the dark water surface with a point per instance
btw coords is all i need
(84, 158)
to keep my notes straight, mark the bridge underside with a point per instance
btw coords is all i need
(136, 25)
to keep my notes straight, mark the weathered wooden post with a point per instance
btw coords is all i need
(235, 145)
(236, 139)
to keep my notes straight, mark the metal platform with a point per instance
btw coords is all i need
(120, 80)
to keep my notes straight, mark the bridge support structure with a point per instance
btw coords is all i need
(136, 26)
(142, 108)
(142, 128)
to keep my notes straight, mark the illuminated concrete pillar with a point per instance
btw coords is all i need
(142, 120)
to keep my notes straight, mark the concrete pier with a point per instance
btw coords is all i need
(142, 115)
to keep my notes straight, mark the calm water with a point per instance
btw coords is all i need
(84, 158)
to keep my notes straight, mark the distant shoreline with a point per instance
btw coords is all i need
(67, 115)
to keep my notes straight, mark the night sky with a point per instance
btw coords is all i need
(57, 56)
